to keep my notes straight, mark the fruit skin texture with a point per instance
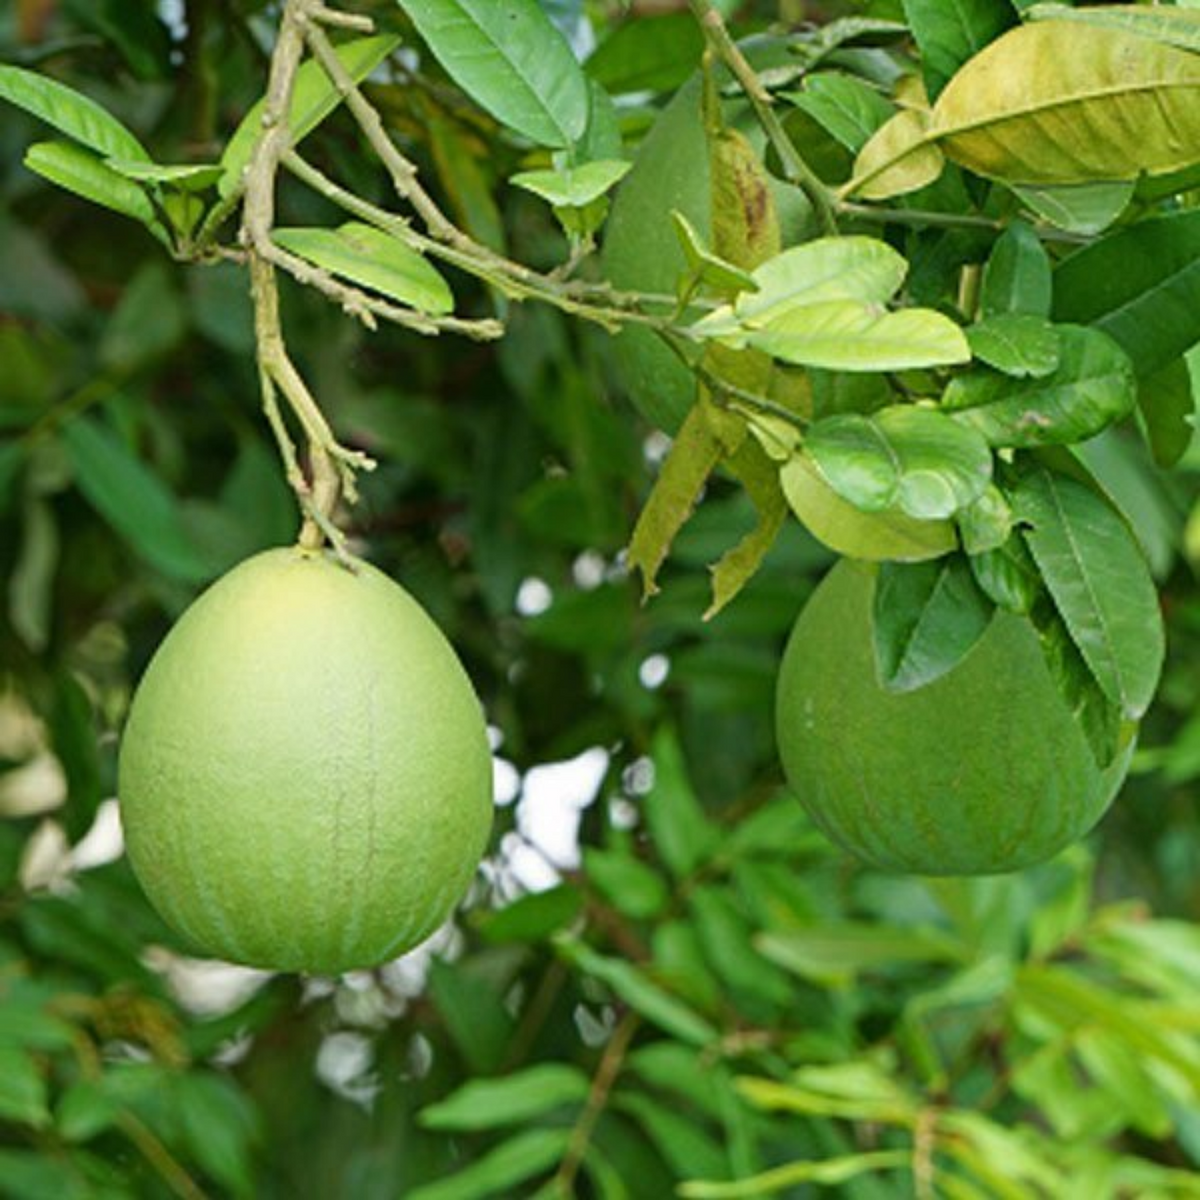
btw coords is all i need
(305, 780)
(979, 772)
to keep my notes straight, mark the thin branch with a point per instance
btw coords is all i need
(795, 169)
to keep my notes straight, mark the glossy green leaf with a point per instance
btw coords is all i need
(916, 459)
(1008, 575)
(847, 107)
(510, 1165)
(190, 177)
(132, 499)
(1140, 285)
(949, 34)
(840, 525)
(845, 335)
(314, 97)
(1080, 208)
(79, 171)
(23, 1090)
(1167, 404)
(1016, 276)
(508, 56)
(1171, 25)
(369, 257)
(573, 187)
(1058, 102)
(637, 990)
(630, 885)
(70, 112)
(1100, 583)
(1016, 344)
(985, 523)
(899, 158)
(517, 1097)
(926, 618)
(706, 270)
(1092, 387)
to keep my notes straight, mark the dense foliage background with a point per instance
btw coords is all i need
(664, 974)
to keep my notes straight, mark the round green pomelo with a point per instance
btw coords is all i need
(305, 781)
(641, 251)
(982, 771)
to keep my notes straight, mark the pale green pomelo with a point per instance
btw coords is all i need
(305, 780)
(985, 770)
(641, 251)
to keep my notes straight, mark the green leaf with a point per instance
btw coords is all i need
(1170, 25)
(74, 736)
(1016, 343)
(473, 1012)
(927, 616)
(915, 459)
(23, 1092)
(518, 1097)
(533, 918)
(1167, 404)
(218, 1126)
(134, 501)
(683, 1143)
(985, 523)
(835, 951)
(189, 177)
(949, 34)
(1080, 208)
(70, 112)
(1140, 285)
(725, 937)
(1016, 276)
(845, 335)
(683, 835)
(826, 1172)
(509, 57)
(314, 97)
(693, 456)
(573, 187)
(514, 1162)
(640, 993)
(899, 158)
(31, 583)
(648, 54)
(845, 528)
(368, 256)
(147, 324)
(1092, 387)
(1100, 583)
(85, 1110)
(628, 884)
(847, 107)
(79, 171)
(705, 269)
(1058, 102)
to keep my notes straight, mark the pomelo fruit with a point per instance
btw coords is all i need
(982, 771)
(305, 781)
(641, 251)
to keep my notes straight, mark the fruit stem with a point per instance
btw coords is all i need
(796, 170)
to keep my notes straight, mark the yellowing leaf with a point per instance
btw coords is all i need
(899, 158)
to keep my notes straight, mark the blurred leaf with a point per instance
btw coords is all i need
(84, 1111)
(1100, 584)
(466, 184)
(1140, 285)
(31, 584)
(314, 97)
(148, 322)
(368, 256)
(825, 1172)
(23, 1092)
(132, 499)
(629, 885)
(915, 459)
(927, 617)
(1171, 26)
(647, 54)
(726, 937)
(1091, 387)
(1016, 343)
(533, 918)
(636, 990)
(218, 1126)
(33, 1175)
(474, 1013)
(683, 835)
(1016, 276)
(73, 737)
(688, 1149)
(518, 1097)
(514, 1162)
(83, 173)
(70, 112)
(511, 60)
(834, 952)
